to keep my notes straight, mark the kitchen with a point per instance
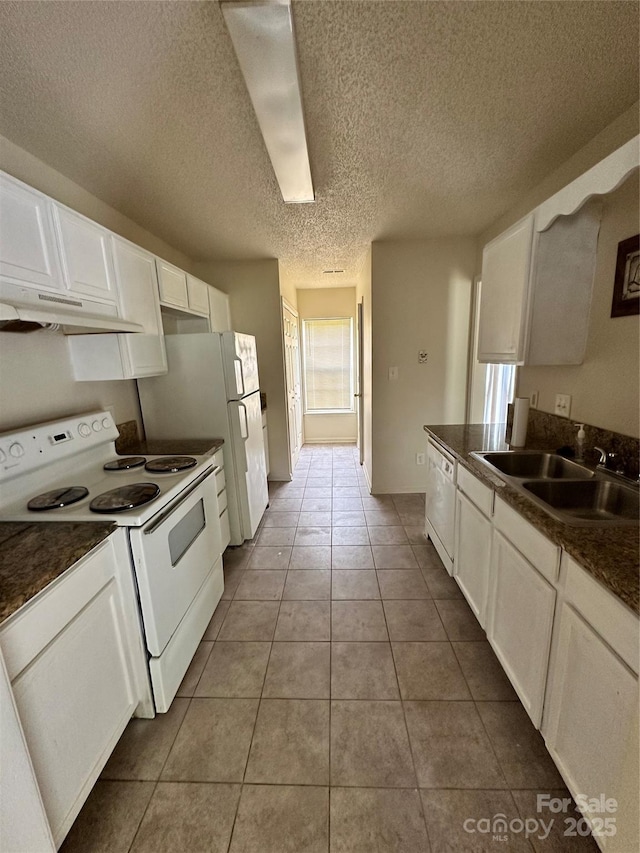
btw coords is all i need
(415, 275)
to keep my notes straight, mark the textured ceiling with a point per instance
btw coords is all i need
(423, 118)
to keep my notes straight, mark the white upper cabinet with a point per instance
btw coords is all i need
(198, 295)
(503, 294)
(173, 285)
(28, 253)
(107, 357)
(219, 314)
(87, 262)
(537, 277)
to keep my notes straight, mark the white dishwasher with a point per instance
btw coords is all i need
(440, 506)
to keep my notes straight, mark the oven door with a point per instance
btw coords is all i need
(173, 554)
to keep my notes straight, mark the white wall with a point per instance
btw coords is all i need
(605, 388)
(420, 301)
(314, 304)
(36, 381)
(254, 301)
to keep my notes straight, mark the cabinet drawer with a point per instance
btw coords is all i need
(535, 546)
(28, 631)
(616, 624)
(218, 459)
(477, 492)
(220, 482)
(222, 501)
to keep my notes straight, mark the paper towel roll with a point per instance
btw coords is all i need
(520, 422)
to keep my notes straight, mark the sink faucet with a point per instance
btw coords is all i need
(612, 463)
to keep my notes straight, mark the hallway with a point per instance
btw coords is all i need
(343, 698)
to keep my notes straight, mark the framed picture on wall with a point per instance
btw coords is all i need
(626, 286)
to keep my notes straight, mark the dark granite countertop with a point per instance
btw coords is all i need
(172, 446)
(610, 554)
(33, 555)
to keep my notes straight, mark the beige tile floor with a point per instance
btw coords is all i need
(343, 698)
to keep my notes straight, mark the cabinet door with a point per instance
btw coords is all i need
(591, 722)
(219, 315)
(473, 553)
(173, 285)
(87, 263)
(143, 354)
(28, 254)
(520, 618)
(503, 295)
(69, 657)
(198, 295)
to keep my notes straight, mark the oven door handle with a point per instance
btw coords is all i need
(163, 516)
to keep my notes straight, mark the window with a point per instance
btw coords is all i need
(328, 365)
(499, 388)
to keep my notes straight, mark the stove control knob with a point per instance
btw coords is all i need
(106, 423)
(96, 426)
(84, 429)
(16, 450)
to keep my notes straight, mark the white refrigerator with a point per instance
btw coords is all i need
(212, 390)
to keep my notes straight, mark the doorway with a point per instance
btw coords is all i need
(291, 333)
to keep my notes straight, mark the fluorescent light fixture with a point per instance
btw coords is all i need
(263, 39)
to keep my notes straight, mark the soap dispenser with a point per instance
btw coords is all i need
(580, 442)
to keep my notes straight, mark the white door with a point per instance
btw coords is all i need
(359, 378)
(245, 417)
(28, 254)
(143, 355)
(473, 553)
(240, 357)
(520, 619)
(591, 719)
(291, 331)
(87, 262)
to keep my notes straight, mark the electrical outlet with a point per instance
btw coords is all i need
(419, 458)
(423, 357)
(393, 374)
(533, 399)
(563, 405)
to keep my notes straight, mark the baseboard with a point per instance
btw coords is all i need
(331, 441)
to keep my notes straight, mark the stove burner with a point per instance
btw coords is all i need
(170, 464)
(58, 498)
(124, 498)
(125, 463)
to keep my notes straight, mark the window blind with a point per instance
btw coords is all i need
(328, 364)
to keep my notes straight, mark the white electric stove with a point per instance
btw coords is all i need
(68, 471)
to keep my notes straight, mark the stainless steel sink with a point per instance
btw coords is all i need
(527, 464)
(594, 501)
(566, 490)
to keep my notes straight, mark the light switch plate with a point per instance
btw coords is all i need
(393, 374)
(563, 405)
(533, 399)
(423, 357)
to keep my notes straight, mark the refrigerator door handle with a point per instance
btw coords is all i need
(242, 416)
(237, 363)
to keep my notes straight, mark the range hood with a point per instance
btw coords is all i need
(25, 309)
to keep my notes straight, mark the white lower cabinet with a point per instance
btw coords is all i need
(591, 709)
(472, 555)
(520, 619)
(75, 660)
